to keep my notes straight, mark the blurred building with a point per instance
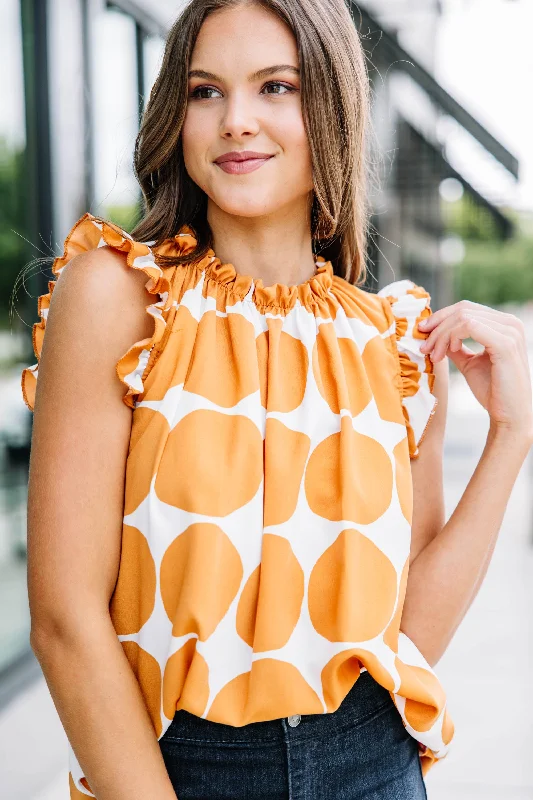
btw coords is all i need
(95, 61)
(413, 118)
(76, 73)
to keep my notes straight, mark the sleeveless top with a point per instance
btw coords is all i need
(268, 496)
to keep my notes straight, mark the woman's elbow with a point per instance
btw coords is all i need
(65, 629)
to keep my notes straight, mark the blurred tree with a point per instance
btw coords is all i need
(13, 247)
(493, 271)
(496, 272)
(126, 217)
(469, 220)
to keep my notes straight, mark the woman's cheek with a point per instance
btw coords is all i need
(194, 137)
(295, 143)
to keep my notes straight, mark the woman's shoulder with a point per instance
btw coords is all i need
(395, 311)
(355, 301)
(405, 297)
(103, 243)
(399, 299)
(103, 281)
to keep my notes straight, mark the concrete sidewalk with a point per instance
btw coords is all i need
(33, 748)
(487, 670)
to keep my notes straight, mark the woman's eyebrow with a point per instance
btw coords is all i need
(261, 73)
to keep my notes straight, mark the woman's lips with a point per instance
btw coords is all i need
(240, 167)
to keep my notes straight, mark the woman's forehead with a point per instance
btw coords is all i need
(245, 35)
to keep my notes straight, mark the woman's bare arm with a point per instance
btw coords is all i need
(75, 507)
(450, 561)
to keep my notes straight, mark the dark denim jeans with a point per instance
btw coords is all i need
(359, 752)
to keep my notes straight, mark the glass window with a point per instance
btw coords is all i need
(153, 55)
(14, 422)
(116, 116)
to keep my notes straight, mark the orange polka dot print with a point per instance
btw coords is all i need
(268, 497)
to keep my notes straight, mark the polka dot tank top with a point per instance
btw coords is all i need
(268, 496)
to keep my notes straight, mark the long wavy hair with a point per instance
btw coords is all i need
(335, 109)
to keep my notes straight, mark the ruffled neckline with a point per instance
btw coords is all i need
(241, 286)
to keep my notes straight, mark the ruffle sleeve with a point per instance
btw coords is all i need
(89, 233)
(410, 304)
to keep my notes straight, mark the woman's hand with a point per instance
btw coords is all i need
(499, 376)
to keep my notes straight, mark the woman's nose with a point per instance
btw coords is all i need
(239, 117)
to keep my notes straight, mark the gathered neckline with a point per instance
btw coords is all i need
(243, 286)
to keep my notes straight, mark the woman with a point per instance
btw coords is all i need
(231, 514)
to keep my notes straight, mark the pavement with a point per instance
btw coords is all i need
(487, 670)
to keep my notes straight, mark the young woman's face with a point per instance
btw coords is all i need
(230, 108)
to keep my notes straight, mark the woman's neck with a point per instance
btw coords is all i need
(277, 250)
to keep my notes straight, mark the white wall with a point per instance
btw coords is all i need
(414, 21)
(66, 114)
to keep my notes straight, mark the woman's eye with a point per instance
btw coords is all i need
(283, 86)
(196, 92)
(201, 92)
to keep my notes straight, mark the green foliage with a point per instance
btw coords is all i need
(13, 251)
(126, 217)
(493, 271)
(467, 219)
(496, 272)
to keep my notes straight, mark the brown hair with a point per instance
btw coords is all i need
(335, 100)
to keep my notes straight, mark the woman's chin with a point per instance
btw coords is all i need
(251, 206)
